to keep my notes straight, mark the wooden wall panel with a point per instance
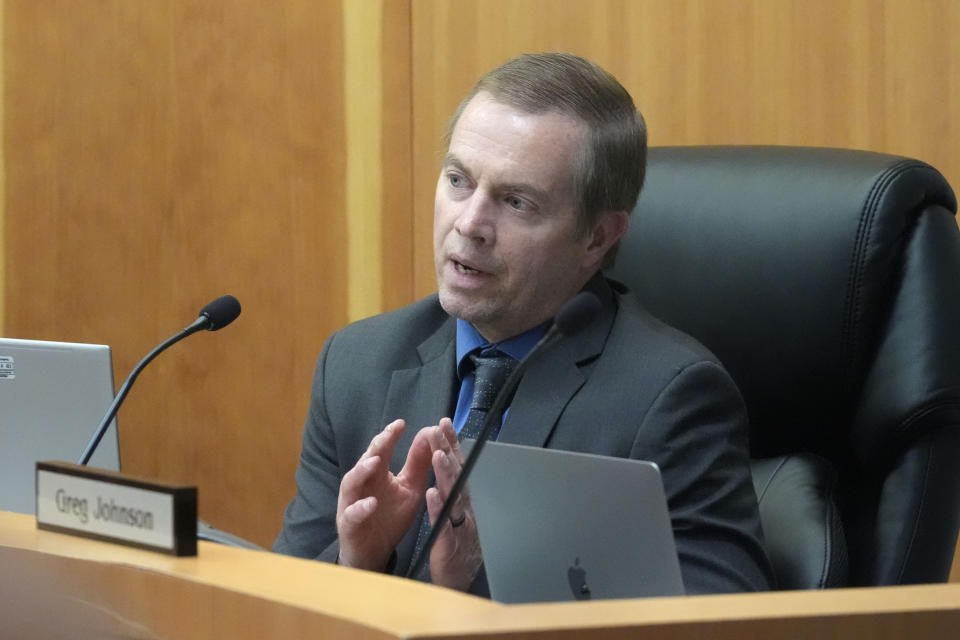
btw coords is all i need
(870, 74)
(159, 154)
(396, 169)
(379, 173)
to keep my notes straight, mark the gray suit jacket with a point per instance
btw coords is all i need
(627, 386)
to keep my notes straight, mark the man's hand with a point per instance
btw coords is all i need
(375, 508)
(456, 556)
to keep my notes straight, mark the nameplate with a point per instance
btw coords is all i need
(106, 505)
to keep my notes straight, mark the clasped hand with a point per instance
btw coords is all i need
(376, 507)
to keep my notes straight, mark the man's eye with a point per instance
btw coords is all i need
(517, 203)
(456, 181)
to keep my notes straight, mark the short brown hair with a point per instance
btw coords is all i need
(611, 168)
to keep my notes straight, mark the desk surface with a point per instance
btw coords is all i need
(50, 580)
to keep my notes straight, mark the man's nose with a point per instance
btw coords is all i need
(476, 219)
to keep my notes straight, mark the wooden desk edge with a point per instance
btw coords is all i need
(391, 607)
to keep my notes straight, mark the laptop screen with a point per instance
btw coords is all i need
(559, 525)
(52, 397)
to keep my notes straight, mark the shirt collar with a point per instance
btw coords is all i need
(469, 340)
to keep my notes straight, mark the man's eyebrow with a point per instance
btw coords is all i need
(524, 189)
(451, 160)
(540, 195)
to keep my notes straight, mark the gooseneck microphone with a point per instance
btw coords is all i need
(570, 320)
(216, 315)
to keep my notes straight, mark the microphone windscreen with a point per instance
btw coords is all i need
(577, 313)
(221, 312)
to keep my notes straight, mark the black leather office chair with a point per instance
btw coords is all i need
(828, 282)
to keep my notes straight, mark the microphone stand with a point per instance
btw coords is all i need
(216, 315)
(197, 324)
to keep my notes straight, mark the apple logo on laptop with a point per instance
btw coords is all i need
(577, 577)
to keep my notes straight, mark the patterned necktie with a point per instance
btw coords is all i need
(489, 374)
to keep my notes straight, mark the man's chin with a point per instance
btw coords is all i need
(463, 307)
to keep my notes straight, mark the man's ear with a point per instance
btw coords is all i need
(608, 229)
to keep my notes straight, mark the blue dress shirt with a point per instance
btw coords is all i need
(469, 341)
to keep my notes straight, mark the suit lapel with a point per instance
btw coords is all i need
(555, 376)
(423, 394)
(544, 392)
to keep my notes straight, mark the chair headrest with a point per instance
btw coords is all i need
(781, 261)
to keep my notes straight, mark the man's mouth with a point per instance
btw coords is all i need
(462, 268)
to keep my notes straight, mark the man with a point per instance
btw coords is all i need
(545, 160)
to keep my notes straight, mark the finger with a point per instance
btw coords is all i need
(435, 505)
(417, 465)
(447, 467)
(446, 426)
(358, 512)
(444, 438)
(384, 442)
(439, 440)
(446, 470)
(355, 482)
(435, 500)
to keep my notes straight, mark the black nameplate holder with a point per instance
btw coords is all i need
(116, 507)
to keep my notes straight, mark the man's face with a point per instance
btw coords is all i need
(505, 240)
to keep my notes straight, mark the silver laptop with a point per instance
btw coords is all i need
(557, 525)
(52, 397)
